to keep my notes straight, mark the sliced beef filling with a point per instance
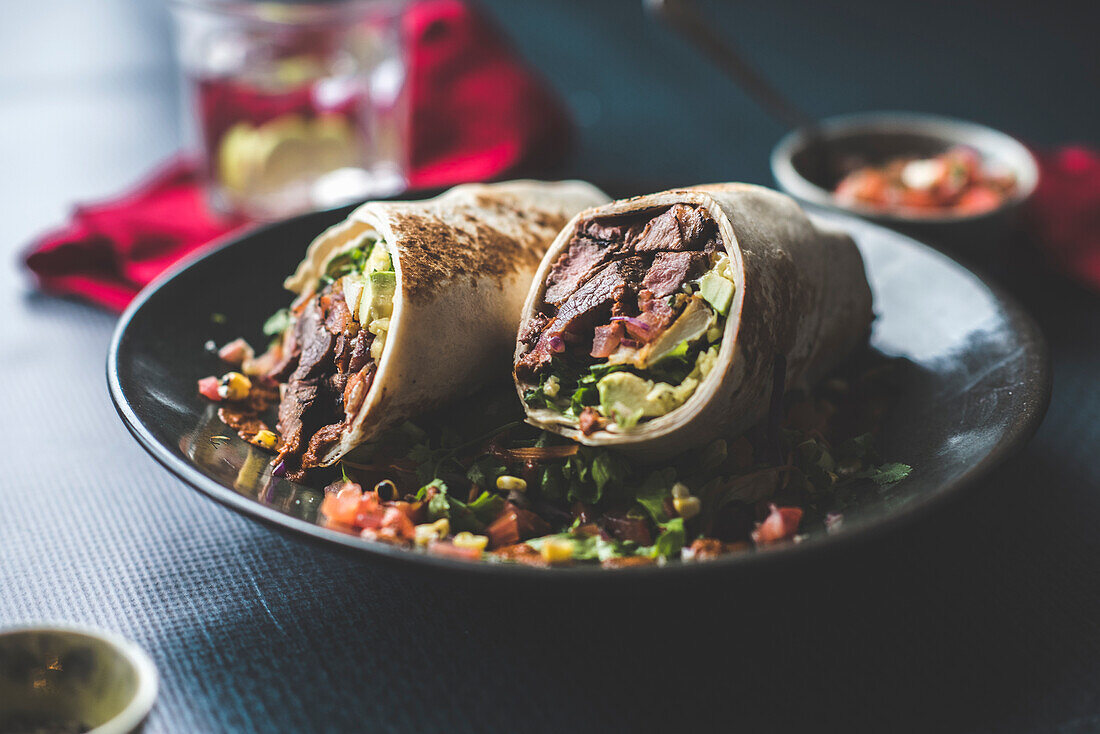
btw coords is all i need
(680, 227)
(332, 361)
(596, 242)
(670, 270)
(610, 290)
(631, 267)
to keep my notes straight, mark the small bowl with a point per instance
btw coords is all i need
(877, 137)
(73, 679)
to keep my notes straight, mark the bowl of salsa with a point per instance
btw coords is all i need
(925, 174)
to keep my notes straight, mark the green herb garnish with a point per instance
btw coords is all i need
(278, 322)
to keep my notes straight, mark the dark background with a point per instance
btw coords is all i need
(982, 618)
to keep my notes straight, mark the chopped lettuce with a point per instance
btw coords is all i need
(367, 255)
(461, 516)
(486, 506)
(671, 540)
(484, 472)
(885, 474)
(566, 395)
(278, 322)
(654, 490)
(609, 471)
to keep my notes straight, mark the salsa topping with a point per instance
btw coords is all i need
(956, 181)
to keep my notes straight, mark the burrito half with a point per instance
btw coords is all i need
(406, 305)
(661, 322)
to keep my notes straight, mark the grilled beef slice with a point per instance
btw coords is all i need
(625, 265)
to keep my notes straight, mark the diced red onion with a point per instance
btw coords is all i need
(557, 344)
(632, 343)
(635, 322)
(279, 470)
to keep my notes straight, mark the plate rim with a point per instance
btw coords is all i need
(1017, 436)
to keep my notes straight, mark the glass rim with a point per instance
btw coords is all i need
(289, 12)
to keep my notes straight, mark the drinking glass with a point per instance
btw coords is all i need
(297, 105)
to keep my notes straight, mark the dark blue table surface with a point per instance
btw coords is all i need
(982, 618)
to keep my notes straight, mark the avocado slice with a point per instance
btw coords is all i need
(690, 325)
(383, 285)
(377, 300)
(623, 397)
(717, 291)
(627, 398)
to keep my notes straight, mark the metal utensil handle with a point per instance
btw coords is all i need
(685, 17)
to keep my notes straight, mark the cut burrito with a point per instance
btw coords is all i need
(406, 305)
(658, 323)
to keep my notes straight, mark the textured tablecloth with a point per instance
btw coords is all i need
(982, 618)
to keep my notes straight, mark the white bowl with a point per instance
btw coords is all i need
(77, 678)
(881, 136)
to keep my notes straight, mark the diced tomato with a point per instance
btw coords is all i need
(450, 550)
(208, 388)
(514, 524)
(968, 159)
(865, 185)
(370, 512)
(398, 521)
(952, 181)
(780, 524)
(410, 510)
(919, 199)
(342, 506)
(263, 364)
(369, 502)
(978, 199)
(236, 352)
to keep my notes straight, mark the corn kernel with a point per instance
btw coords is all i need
(714, 334)
(680, 491)
(687, 507)
(557, 550)
(466, 539)
(377, 346)
(234, 386)
(426, 533)
(267, 439)
(508, 483)
(377, 326)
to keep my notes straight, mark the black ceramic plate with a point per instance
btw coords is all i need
(974, 390)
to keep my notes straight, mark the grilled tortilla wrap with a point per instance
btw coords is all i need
(440, 284)
(712, 286)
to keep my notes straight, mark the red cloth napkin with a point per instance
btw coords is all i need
(1064, 212)
(476, 113)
